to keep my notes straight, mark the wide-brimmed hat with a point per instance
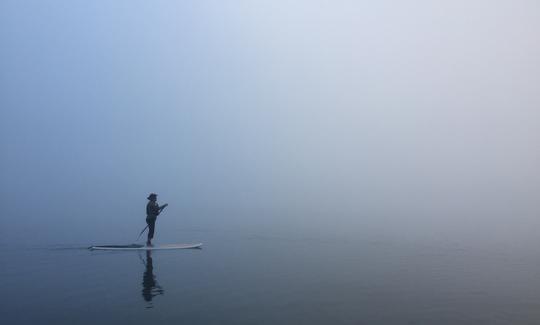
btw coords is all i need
(152, 195)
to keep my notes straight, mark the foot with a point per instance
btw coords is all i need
(149, 244)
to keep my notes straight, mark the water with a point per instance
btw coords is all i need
(265, 279)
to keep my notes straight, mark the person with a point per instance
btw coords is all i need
(152, 211)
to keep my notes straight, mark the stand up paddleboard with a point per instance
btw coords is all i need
(136, 247)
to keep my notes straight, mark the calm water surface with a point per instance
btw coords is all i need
(253, 279)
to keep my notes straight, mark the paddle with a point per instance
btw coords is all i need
(160, 209)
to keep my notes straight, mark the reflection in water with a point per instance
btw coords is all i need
(150, 286)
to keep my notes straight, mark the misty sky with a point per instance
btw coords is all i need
(412, 117)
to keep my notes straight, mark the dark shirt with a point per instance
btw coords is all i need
(152, 209)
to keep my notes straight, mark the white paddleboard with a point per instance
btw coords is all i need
(136, 247)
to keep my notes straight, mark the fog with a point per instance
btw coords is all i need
(341, 119)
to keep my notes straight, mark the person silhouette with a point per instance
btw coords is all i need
(152, 211)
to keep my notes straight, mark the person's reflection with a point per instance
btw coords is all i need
(150, 286)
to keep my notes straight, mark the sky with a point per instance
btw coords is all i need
(333, 118)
